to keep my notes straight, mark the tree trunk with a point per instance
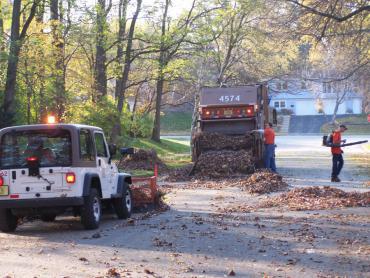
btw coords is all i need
(2, 41)
(122, 81)
(101, 57)
(336, 107)
(156, 134)
(122, 10)
(16, 37)
(41, 115)
(11, 73)
(58, 53)
(127, 67)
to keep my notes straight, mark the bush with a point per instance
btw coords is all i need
(103, 114)
(141, 126)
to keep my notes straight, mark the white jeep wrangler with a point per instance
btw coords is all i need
(46, 169)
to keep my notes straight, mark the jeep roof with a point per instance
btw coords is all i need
(74, 130)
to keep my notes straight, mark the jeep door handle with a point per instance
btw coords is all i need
(99, 162)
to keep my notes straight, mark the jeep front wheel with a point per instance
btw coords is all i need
(123, 205)
(8, 221)
(91, 210)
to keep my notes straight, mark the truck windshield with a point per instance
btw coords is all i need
(50, 147)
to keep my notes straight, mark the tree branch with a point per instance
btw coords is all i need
(331, 15)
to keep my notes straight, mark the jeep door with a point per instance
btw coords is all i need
(104, 166)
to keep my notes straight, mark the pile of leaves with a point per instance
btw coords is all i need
(142, 195)
(216, 141)
(180, 174)
(316, 198)
(142, 160)
(223, 164)
(263, 182)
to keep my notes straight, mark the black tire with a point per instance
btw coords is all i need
(123, 206)
(8, 221)
(91, 210)
(48, 217)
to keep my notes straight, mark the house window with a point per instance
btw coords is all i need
(279, 104)
(303, 85)
(278, 86)
(285, 85)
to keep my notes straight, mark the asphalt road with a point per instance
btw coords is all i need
(305, 161)
(200, 236)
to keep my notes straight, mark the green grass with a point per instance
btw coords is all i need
(174, 153)
(176, 122)
(356, 124)
(141, 173)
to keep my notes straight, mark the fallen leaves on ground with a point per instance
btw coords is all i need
(142, 194)
(180, 174)
(317, 198)
(263, 182)
(112, 272)
(142, 160)
(161, 242)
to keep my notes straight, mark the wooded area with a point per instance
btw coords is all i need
(83, 60)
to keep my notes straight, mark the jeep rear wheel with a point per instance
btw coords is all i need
(8, 221)
(91, 210)
(123, 205)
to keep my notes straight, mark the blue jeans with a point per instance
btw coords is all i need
(269, 157)
(337, 165)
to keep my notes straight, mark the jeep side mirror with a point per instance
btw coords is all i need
(125, 151)
(112, 149)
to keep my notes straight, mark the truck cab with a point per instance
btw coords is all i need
(46, 169)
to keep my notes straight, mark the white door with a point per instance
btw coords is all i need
(103, 165)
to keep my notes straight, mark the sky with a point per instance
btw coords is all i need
(176, 8)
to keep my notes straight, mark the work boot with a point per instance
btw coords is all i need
(335, 179)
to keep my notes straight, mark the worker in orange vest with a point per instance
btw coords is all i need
(269, 155)
(337, 153)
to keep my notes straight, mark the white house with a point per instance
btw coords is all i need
(306, 103)
(295, 97)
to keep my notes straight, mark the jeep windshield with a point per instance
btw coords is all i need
(51, 148)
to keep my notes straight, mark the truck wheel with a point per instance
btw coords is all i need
(123, 205)
(8, 221)
(91, 210)
(48, 217)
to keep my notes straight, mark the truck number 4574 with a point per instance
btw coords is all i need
(229, 98)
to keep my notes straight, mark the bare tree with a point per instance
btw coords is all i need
(16, 38)
(102, 11)
(56, 17)
(124, 75)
